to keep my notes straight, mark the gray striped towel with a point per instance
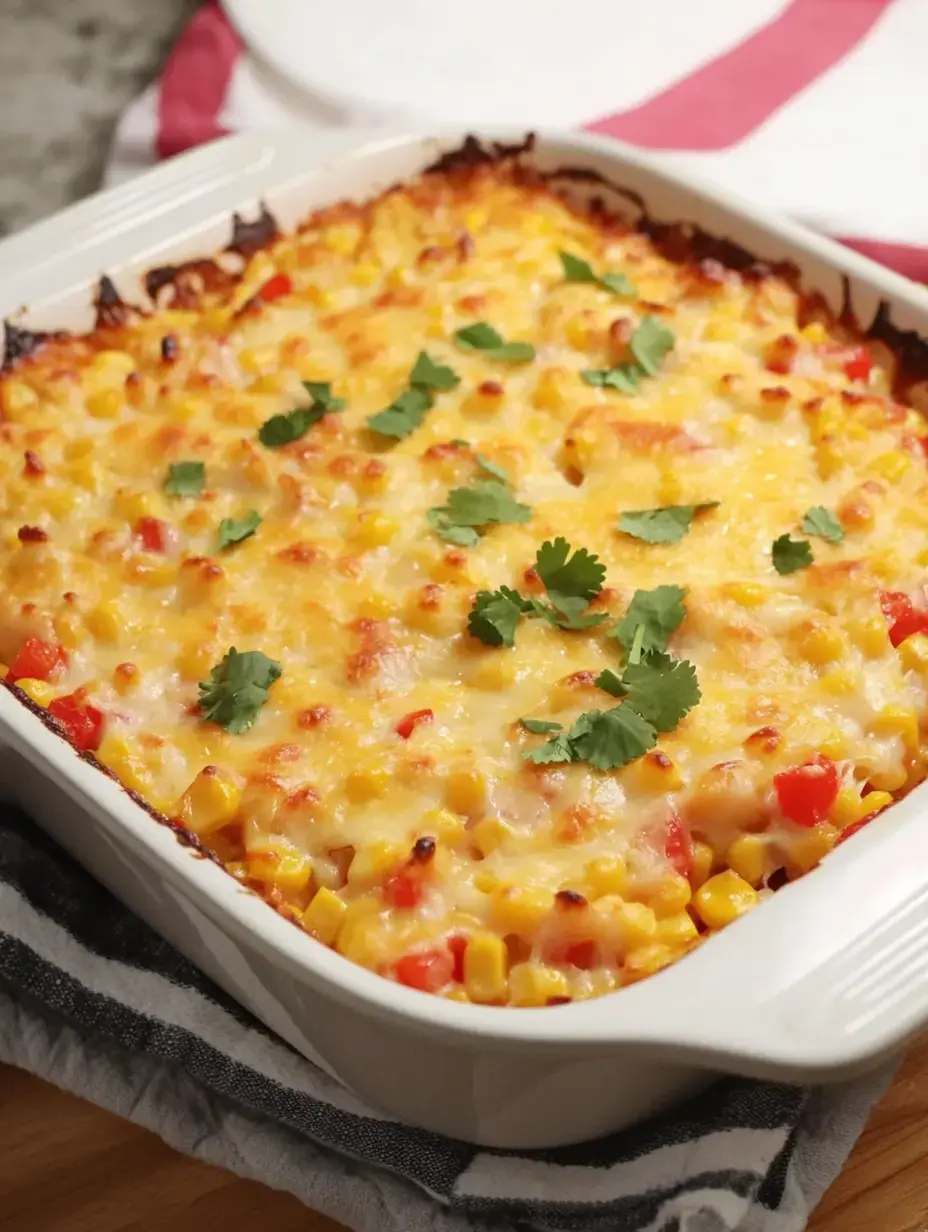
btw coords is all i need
(95, 1002)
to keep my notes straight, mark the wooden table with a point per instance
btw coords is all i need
(65, 1166)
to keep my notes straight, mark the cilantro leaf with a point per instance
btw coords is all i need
(567, 577)
(577, 270)
(624, 378)
(234, 531)
(556, 749)
(237, 689)
(610, 682)
(483, 337)
(487, 501)
(662, 689)
(426, 374)
(284, 429)
(185, 479)
(494, 616)
(650, 343)
(323, 398)
(659, 611)
(403, 415)
(608, 739)
(668, 524)
(821, 521)
(569, 614)
(540, 727)
(789, 555)
(461, 536)
(491, 468)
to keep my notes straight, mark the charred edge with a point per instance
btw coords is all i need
(110, 307)
(20, 344)
(181, 833)
(683, 243)
(184, 280)
(472, 153)
(249, 237)
(909, 348)
(586, 175)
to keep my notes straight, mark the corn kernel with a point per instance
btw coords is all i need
(105, 622)
(370, 784)
(377, 607)
(656, 772)
(375, 529)
(254, 360)
(151, 574)
(135, 505)
(533, 984)
(279, 863)
(39, 691)
(475, 218)
(820, 644)
(495, 673)
(442, 824)
(106, 404)
(842, 682)
(521, 911)
(897, 721)
(211, 801)
(914, 653)
(667, 896)
(806, 850)
(60, 502)
(550, 392)
(373, 861)
(830, 459)
(677, 930)
(723, 898)
(128, 767)
(634, 923)
(869, 634)
(850, 807)
(607, 876)
(113, 365)
(891, 466)
(87, 474)
(578, 331)
(491, 834)
(833, 743)
(486, 882)
(747, 594)
(466, 791)
(360, 937)
(485, 961)
(703, 859)
(195, 661)
(69, 629)
(324, 916)
(18, 399)
(815, 333)
(365, 274)
(647, 960)
(747, 856)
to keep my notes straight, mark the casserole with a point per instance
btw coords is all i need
(498, 1070)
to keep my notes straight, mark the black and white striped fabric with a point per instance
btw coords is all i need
(93, 1001)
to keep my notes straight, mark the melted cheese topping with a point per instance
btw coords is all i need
(347, 586)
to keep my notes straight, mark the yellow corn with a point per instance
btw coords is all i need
(374, 861)
(669, 895)
(815, 333)
(806, 850)
(578, 331)
(647, 960)
(196, 660)
(551, 390)
(495, 673)
(634, 923)
(60, 502)
(521, 911)
(656, 772)
(608, 875)
(135, 505)
(533, 984)
(486, 882)
(87, 474)
(677, 930)
(105, 622)
(370, 784)
(112, 366)
(475, 218)
(277, 862)
(842, 682)
(914, 653)
(485, 977)
(491, 834)
(68, 629)
(466, 791)
(106, 404)
(891, 466)
(897, 720)
(821, 644)
(356, 914)
(365, 274)
(211, 801)
(128, 767)
(703, 859)
(375, 529)
(747, 856)
(39, 691)
(850, 807)
(442, 824)
(723, 898)
(830, 459)
(18, 399)
(254, 360)
(324, 915)
(747, 594)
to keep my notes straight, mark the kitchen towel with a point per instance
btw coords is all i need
(802, 111)
(94, 1001)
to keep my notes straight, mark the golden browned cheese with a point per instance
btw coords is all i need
(346, 584)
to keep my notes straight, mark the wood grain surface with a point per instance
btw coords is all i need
(66, 1166)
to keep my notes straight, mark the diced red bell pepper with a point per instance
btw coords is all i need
(902, 616)
(155, 535)
(678, 846)
(38, 660)
(427, 970)
(275, 288)
(82, 723)
(806, 793)
(582, 954)
(418, 718)
(858, 825)
(403, 890)
(457, 944)
(857, 366)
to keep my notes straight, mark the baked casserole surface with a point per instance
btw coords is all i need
(510, 598)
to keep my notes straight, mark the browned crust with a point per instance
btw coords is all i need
(249, 237)
(111, 310)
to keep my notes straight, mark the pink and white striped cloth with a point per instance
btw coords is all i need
(815, 108)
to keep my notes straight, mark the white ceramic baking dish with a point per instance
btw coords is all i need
(822, 981)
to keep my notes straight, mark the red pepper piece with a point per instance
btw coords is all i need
(902, 616)
(678, 846)
(428, 970)
(275, 288)
(82, 723)
(403, 890)
(806, 793)
(418, 718)
(39, 660)
(155, 535)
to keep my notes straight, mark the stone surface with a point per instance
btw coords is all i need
(68, 68)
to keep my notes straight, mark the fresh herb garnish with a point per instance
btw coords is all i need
(185, 479)
(577, 270)
(661, 688)
(491, 468)
(657, 613)
(668, 524)
(483, 337)
(789, 555)
(285, 428)
(648, 344)
(234, 530)
(540, 727)
(495, 614)
(605, 739)
(406, 412)
(822, 522)
(469, 509)
(237, 689)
